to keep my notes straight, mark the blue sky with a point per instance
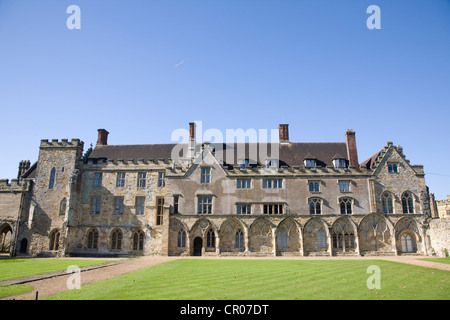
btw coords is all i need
(142, 69)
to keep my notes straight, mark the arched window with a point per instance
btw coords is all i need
(240, 239)
(63, 207)
(181, 237)
(92, 242)
(388, 205)
(407, 243)
(282, 239)
(407, 203)
(315, 206)
(116, 240)
(138, 240)
(54, 240)
(51, 182)
(322, 239)
(210, 239)
(346, 205)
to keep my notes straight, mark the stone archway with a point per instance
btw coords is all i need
(288, 238)
(5, 238)
(260, 237)
(198, 246)
(375, 234)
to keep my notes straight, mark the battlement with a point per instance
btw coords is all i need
(64, 143)
(15, 185)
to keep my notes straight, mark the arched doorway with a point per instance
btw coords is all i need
(5, 238)
(408, 244)
(198, 244)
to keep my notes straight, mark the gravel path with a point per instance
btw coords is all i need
(58, 283)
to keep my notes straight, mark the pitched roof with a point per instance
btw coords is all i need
(368, 163)
(291, 154)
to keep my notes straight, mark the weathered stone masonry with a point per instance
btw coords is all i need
(219, 199)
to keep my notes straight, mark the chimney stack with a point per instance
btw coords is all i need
(352, 153)
(23, 167)
(192, 129)
(102, 137)
(284, 133)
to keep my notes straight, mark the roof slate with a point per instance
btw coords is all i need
(291, 154)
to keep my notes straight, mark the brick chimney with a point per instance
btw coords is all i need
(284, 133)
(352, 153)
(192, 129)
(102, 137)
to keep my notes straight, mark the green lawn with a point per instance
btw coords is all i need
(18, 268)
(440, 260)
(193, 279)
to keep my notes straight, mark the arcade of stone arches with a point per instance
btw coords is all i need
(373, 234)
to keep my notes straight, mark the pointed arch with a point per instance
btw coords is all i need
(288, 237)
(375, 234)
(5, 237)
(116, 239)
(55, 235)
(343, 235)
(315, 236)
(407, 235)
(92, 239)
(387, 202)
(260, 236)
(231, 230)
(138, 238)
(63, 207)
(407, 199)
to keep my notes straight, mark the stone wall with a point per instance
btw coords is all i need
(439, 236)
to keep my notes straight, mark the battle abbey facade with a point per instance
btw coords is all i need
(217, 199)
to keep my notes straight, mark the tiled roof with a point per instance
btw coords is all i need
(290, 154)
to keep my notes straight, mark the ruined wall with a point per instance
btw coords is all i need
(438, 233)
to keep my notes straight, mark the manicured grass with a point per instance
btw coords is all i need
(18, 268)
(193, 279)
(440, 260)
(12, 290)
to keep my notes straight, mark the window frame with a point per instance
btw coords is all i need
(346, 205)
(95, 204)
(393, 167)
(119, 205)
(273, 208)
(342, 184)
(314, 184)
(205, 175)
(243, 183)
(140, 206)
(142, 179)
(244, 208)
(317, 208)
(159, 211)
(161, 179)
(204, 207)
(98, 180)
(120, 179)
(272, 183)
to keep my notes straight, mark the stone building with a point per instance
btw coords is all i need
(284, 198)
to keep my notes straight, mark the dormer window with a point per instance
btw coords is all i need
(271, 163)
(340, 163)
(243, 163)
(310, 163)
